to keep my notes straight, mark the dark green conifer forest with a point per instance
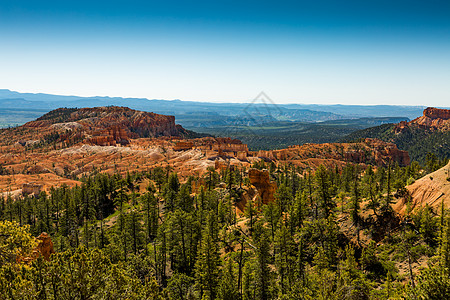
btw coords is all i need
(329, 234)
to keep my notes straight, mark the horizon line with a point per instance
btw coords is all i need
(249, 101)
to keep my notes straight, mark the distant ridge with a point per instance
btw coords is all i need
(261, 125)
(323, 112)
(429, 133)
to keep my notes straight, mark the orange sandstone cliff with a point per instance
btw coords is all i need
(105, 126)
(432, 119)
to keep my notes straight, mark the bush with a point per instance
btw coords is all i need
(410, 181)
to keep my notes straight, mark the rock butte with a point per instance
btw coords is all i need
(432, 119)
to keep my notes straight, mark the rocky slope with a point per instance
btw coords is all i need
(432, 190)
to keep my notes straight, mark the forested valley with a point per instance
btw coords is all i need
(329, 234)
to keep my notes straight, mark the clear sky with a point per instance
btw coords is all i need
(316, 51)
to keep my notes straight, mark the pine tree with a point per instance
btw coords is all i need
(171, 192)
(227, 289)
(323, 190)
(180, 286)
(356, 207)
(134, 229)
(352, 284)
(262, 271)
(208, 261)
(284, 250)
(321, 278)
(151, 212)
(374, 203)
(283, 197)
(250, 213)
(185, 201)
(248, 281)
(444, 249)
(299, 211)
(386, 207)
(272, 215)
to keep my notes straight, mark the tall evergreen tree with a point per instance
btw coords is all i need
(262, 271)
(227, 289)
(208, 261)
(323, 190)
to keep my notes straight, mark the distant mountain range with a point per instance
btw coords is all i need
(261, 125)
(185, 111)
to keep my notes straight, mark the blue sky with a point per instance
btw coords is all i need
(350, 52)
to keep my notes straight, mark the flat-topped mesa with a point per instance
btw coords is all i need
(432, 119)
(108, 126)
(437, 113)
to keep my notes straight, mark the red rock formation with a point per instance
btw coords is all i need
(228, 146)
(383, 152)
(393, 153)
(31, 189)
(436, 113)
(242, 155)
(106, 126)
(102, 140)
(45, 245)
(371, 151)
(222, 147)
(183, 145)
(432, 119)
(114, 125)
(261, 180)
(368, 151)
